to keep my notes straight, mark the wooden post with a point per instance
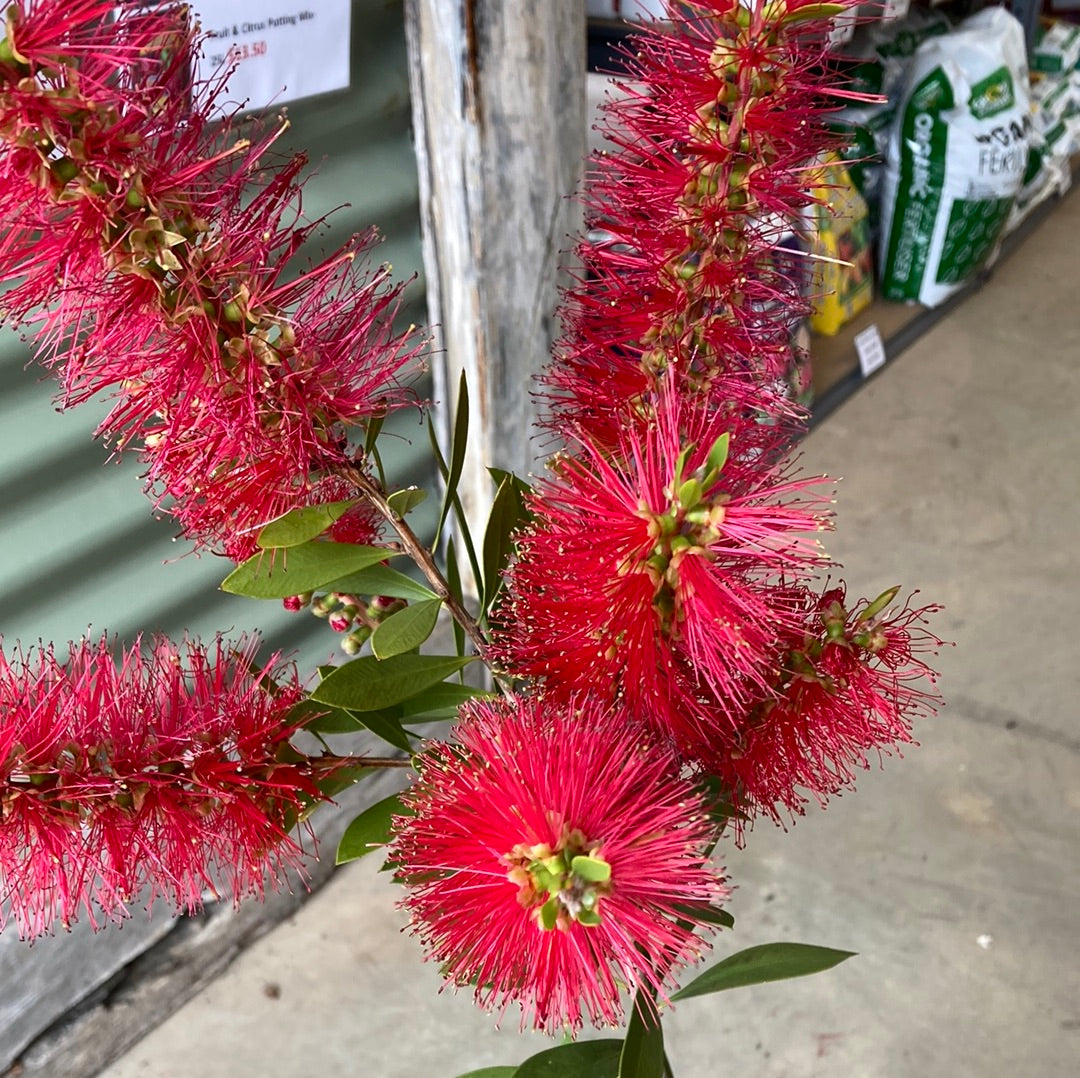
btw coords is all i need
(498, 91)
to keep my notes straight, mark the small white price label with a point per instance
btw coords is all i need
(870, 349)
(279, 50)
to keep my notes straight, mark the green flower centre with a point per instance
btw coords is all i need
(560, 884)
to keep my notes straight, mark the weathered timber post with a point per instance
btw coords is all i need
(498, 97)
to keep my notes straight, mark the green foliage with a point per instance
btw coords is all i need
(370, 684)
(370, 830)
(405, 630)
(451, 472)
(387, 725)
(507, 513)
(303, 524)
(404, 501)
(717, 458)
(382, 580)
(322, 718)
(440, 701)
(643, 1048)
(453, 580)
(280, 573)
(767, 962)
(584, 1059)
(709, 915)
(491, 1072)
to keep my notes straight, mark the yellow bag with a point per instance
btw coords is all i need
(843, 285)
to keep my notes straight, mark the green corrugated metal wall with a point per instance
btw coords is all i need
(79, 545)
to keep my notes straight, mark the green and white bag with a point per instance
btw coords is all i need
(956, 159)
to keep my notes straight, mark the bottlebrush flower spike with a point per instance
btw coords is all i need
(712, 142)
(554, 859)
(847, 686)
(164, 772)
(660, 573)
(166, 274)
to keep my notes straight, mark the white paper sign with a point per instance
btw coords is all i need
(282, 49)
(870, 349)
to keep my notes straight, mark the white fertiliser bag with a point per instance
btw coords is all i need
(956, 158)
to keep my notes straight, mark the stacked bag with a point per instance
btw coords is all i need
(956, 159)
(1055, 106)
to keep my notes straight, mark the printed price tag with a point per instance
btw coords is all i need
(870, 349)
(282, 50)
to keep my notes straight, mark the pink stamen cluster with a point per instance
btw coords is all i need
(161, 772)
(554, 859)
(670, 560)
(153, 254)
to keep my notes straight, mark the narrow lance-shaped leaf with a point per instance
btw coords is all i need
(459, 440)
(277, 574)
(453, 581)
(717, 458)
(767, 962)
(507, 512)
(406, 629)
(370, 830)
(368, 684)
(440, 701)
(302, 524)
(585, 1059)
(386, 723)
(643, 1048)
(879, 603)
(382, 580)
(404, 501)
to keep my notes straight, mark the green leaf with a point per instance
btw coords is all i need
(585, 1059)
(458, 442)
(277, 574)
(370, 830)
(717, 458)
(386, 723)
(491, 1072)
(403, 501)
(441, 701)
(406, 629)
(301, 525)
(806, 13)
(342, 780)
(368, 684)
(879, 603)
(453, 579)
(707, 915)
(322, 718)
(643, 1049)
(507, 512)
(501, 475)
(680, 462)
(768, 962)
(374, 429)
(382, 580)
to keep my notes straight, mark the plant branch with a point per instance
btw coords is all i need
(418, 552)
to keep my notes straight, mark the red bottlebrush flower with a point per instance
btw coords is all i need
(554, 859)
(167, 771)
(848, 686)
(704, 172)
(659, 575)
